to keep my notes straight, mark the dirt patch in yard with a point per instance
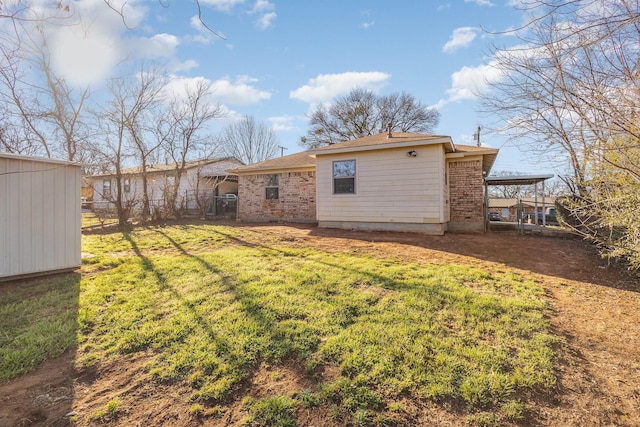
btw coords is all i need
(595, 309)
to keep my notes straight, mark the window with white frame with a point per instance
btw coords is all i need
(344, 177)
(126, 185)
(106, 188)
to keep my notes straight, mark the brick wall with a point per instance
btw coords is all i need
(465, 191)
(296, 202)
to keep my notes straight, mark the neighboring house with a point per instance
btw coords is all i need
(86, 190)
(389, 181)
(40, 227)
(280, 189)
(202, 179)
(507, 208)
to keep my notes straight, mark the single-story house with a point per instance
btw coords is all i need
(389, 181)
(206, 178)
(40, 218)
(280, 189)
(507, 208)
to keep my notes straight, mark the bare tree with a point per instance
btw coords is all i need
(141, 100)
(43, 110)
(183, 132)
(64, 114)
(362, 113)
(250, 142)
(569, 91)
(17, 99)
(508, 191)
(18, 11)
(113, 149)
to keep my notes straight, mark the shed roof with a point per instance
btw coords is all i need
(37, 159)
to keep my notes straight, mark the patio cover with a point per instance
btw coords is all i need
(519, 180)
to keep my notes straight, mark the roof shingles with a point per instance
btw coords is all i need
(302, 160)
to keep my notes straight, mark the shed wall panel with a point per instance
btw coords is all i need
(39, 217)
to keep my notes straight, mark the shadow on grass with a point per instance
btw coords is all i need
(250, 308)
(566, 257)
(162, 281)
(38, 337)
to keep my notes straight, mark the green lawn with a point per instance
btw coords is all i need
(90, 219)
(210, 307)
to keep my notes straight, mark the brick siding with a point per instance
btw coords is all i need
(296, 201)
(465, 191)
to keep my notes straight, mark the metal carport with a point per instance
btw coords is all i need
(517, 180)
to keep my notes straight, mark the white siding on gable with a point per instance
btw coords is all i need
(39, 216)
(390, 187)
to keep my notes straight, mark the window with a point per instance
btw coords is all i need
(272, 184)
(170, 182)
(126, 185)
(344, 177)
(106, 188)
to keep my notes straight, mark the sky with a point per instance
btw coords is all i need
(276, 60)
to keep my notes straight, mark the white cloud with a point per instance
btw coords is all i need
(282, 123)
(460, 38)
(480, 2)
(159, 45)
(367, 20)
(223, 5)
(239, 91)
(325, 87)
(177, 87)
(266, 20)
(262, 6)
(187, 65)
(265, 9)
(469, 82)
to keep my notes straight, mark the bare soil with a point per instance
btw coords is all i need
(595, 310)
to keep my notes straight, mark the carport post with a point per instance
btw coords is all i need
(535, 203)
(544, 209)
(486, 203)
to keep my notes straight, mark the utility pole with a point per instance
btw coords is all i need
(282, 150)
(476, 136)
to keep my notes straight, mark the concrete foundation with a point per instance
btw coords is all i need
(433, 229)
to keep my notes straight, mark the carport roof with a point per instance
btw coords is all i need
(516, 179)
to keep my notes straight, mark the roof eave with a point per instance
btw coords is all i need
(447, 141)
(273, 169)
